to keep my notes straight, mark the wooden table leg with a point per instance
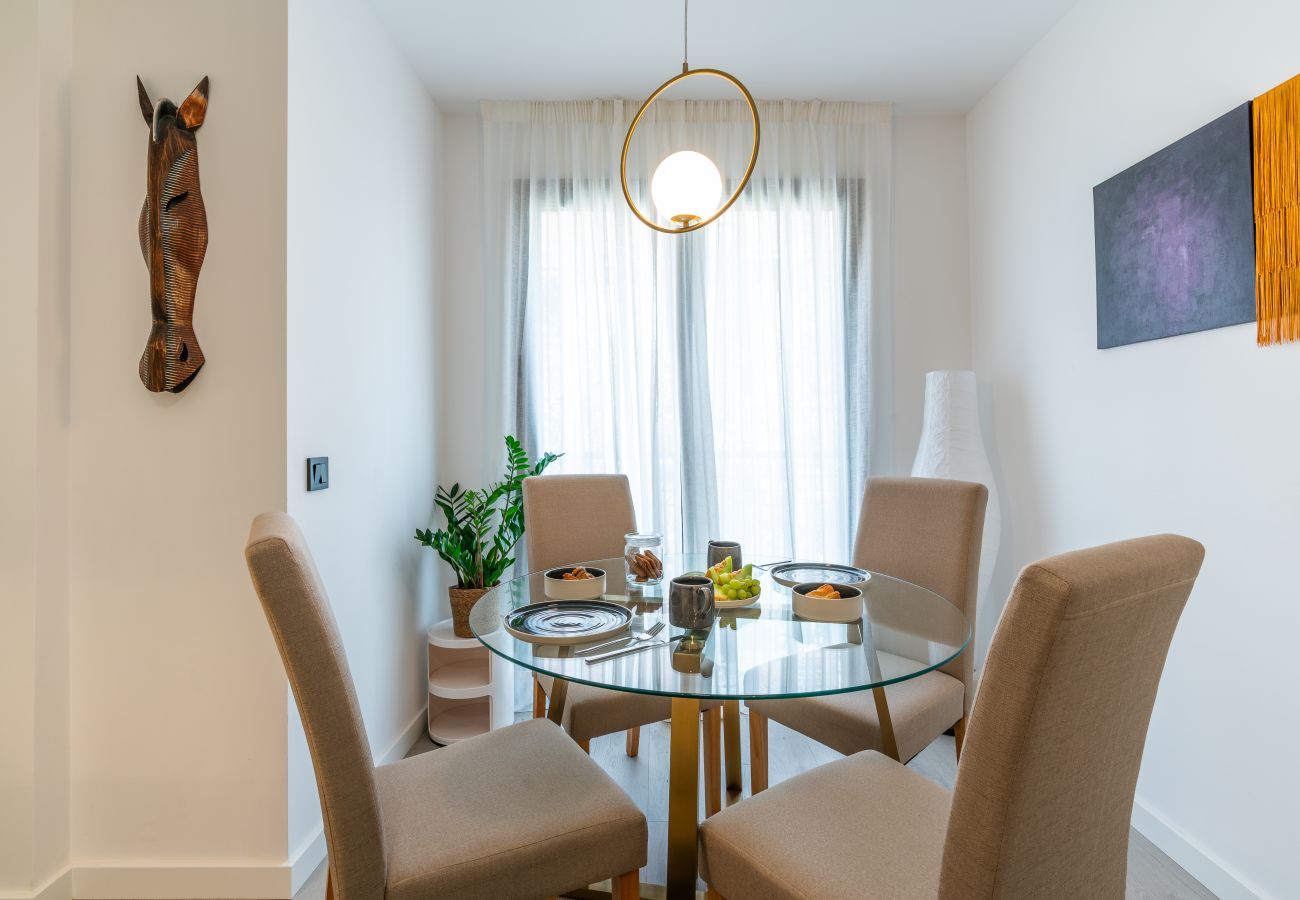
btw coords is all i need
(539, 698)
(757, 752)
(559, 692)
(888, 742)
(683, 798)
(731, 743)
(712, 761)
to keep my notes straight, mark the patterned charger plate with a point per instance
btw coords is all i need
(567, 621)
(792, 573)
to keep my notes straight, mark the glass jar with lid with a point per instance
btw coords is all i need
(643, 558)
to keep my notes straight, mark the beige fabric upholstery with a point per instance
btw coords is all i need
(590, 712)
(1044, 791)
(516, 813)
(482, 818)
(927, 531)
(862, 827)
(921, 709)
(576, 518)
(300, 617)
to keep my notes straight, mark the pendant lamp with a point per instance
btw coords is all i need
(686, 186)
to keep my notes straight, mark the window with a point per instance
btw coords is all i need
(721, 371)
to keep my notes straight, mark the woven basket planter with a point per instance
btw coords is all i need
(462, 601)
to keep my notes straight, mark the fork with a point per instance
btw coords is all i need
(630, 641)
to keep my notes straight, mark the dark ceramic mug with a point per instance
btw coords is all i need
(690, 602)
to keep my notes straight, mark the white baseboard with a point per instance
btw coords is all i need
(161, 882)
(1200, 864)
(306, 860)
(57, 887)
(235, 882)
(410, 734)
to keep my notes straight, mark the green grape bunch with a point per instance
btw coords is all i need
(734, 585)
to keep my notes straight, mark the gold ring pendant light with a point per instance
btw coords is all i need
(687, 220)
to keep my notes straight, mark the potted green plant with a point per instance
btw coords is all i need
(483, 527)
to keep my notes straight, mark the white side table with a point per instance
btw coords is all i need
(470, 688)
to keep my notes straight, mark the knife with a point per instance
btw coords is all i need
(627, 651)
(606, 647)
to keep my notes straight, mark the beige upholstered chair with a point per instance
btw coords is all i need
(519, 812)
(923, 530)
(1044, 789)
(576, 518)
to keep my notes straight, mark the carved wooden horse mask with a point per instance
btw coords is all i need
(173, 237)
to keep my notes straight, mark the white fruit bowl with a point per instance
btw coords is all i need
(582, 589)
(848, 608)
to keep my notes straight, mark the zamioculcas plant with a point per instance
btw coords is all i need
(483, 527)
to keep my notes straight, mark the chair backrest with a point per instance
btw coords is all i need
(300, 617)
(574, 518)
(928, 531)
(1044, 790)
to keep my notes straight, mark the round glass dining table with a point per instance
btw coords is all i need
(762, 650)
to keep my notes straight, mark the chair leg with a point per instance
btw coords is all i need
(329, 884)
(959, 736)
(712, 761)
(757, 752)
(586, 746)
(539, 699)
(633, 740)
(628, 886)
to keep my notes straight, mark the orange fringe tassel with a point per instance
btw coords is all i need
(1275, 121)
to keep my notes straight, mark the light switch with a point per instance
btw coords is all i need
(318, 473)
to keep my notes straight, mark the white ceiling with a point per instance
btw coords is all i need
(925, 55)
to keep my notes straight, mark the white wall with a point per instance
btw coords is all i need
(1194, 434)
(178, 726)
(150, 744)
(35, 73)
(468, 450)
(19, 100)
(931, 314)
(931, 266)
(365, 278)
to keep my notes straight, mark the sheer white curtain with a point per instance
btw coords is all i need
(733, 374)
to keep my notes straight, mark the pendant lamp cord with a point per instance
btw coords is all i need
(686, 20)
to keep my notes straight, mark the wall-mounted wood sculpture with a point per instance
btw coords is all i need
(173, 237)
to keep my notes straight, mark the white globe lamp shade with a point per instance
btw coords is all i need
(686, 187)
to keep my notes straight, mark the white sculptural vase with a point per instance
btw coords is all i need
(953, 447)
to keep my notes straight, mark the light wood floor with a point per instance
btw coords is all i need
(1151, 874)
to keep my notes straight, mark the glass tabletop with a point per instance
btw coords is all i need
(762, 650)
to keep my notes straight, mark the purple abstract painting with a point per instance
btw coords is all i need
(1176, 238)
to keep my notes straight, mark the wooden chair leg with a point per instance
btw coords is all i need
(329, 885)
(634, 741)
(757, 752)
(539, 699)
(628, 886)
(586, 746)
(959, 736)
(712, 761)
